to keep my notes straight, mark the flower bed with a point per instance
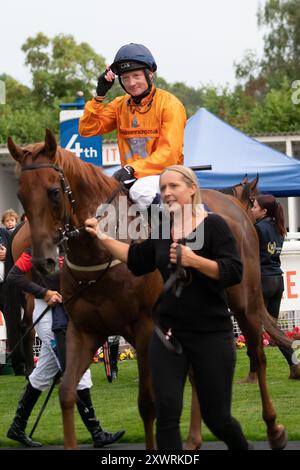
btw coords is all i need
(294, 334)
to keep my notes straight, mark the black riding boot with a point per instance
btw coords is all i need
(16, 431)
(85, 407)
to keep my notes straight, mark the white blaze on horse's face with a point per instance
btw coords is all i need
(175, 193)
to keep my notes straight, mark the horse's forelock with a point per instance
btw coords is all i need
(246, 193)
(32, 151)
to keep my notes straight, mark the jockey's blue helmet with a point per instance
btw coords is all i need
(133, 57)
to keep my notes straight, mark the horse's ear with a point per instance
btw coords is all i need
(50, 144)
(254, 182)
(16, 152)
(245, 180)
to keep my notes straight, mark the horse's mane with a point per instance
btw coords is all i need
(73, 167)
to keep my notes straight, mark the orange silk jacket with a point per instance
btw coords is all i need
(150, 135)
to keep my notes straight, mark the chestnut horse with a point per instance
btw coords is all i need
(120, 304)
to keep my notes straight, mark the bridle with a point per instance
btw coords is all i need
(68, 231)
(246, 196)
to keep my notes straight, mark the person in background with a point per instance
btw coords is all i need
(14, 302)
(4, 242)
(10, 219)
(51, 329)
(149, 121)
(270, 227)
(199, 318)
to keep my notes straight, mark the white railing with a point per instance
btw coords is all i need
(286, 321)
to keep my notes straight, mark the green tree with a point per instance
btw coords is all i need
(60, 67)
(21, 118)
(281, 21)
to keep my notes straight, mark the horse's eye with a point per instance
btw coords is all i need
(53, 194)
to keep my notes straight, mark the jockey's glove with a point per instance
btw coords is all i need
(124, 174)
(103, 85)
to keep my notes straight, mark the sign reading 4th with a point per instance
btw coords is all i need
(88, 149)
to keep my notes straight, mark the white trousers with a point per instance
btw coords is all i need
(48, 363)
(144, 190)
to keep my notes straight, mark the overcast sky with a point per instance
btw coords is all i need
(193, 41)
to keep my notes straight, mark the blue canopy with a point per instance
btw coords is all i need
(232, 154)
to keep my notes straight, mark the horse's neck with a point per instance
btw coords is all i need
(90, 188)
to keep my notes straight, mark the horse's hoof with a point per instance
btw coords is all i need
(280, 441)
(250, 379)
(295, 372)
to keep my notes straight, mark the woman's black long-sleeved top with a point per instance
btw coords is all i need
(202, 305)
(270, 247)
(37, 287)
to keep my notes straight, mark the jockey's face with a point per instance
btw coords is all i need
(257, 212)
(175, 192)
(135, 82)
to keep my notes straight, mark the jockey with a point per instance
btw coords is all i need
(150, 122)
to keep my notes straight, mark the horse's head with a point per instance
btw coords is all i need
(41, 192)
(245, 192)
(248, 192)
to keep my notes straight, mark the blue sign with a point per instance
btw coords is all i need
(88, 149)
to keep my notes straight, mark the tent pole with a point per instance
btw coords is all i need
(292, 201)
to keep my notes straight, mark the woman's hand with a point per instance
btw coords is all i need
(52, 297)
(93, 227)
(187, 255)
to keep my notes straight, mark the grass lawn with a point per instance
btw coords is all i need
(116, 404)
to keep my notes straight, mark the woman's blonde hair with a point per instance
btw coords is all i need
(190, 179)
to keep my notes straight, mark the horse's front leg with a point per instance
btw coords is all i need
(78, 358)
(146, 395)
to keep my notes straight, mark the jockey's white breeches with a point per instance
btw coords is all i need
(144, 190)
(48, 363)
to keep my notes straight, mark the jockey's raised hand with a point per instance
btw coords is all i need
(105, 82)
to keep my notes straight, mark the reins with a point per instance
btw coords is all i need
(177, 280)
